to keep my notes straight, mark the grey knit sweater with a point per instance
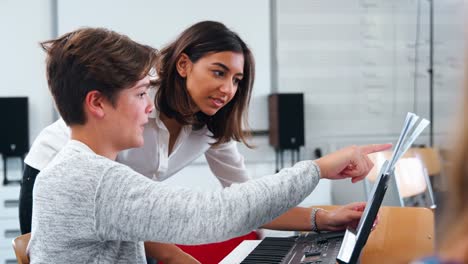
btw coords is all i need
(89, 209)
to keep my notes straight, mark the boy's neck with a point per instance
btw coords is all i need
(97, 142)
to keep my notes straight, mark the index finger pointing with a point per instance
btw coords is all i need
(367, 149)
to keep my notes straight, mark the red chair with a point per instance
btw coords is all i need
(215, 252)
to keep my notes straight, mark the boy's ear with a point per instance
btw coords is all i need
(94, 104)
(183, 65)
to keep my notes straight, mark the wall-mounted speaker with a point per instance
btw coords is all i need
(286, 120)
(14, 134)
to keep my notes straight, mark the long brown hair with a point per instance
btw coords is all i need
(172, 97)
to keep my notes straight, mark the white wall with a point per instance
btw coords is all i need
(356, 62)
(23, 24)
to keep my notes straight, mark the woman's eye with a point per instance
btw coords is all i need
(237, 81)
(142, 94)
(218, 73)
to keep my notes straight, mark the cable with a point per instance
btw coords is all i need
(416, 57)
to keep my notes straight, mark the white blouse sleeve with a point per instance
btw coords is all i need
(47, 144)
(227, 164)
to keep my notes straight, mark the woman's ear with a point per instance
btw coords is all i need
(183, 65)
(94, 104)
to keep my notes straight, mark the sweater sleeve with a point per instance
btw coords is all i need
(130, 207)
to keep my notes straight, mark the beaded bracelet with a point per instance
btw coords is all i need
(313, 219)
